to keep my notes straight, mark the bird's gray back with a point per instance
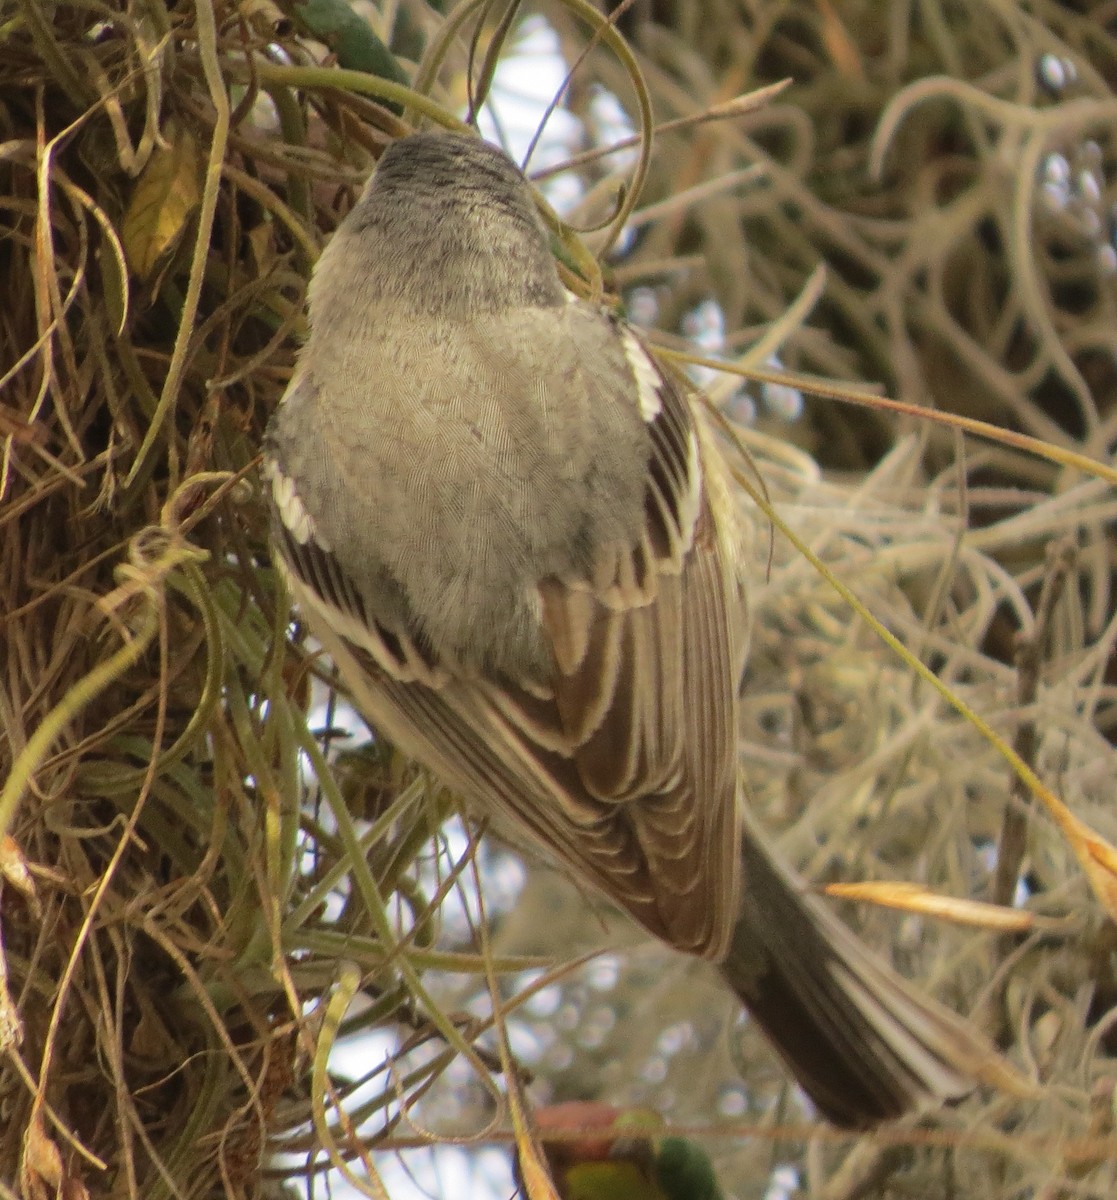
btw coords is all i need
(455, 465)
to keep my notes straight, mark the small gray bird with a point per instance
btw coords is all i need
(515, 536)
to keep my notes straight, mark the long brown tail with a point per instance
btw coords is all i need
(863, 1043)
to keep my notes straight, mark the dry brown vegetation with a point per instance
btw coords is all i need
(203, 896)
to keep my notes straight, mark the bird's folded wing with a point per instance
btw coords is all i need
(622, 764)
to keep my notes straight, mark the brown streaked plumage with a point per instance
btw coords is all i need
(515, 537)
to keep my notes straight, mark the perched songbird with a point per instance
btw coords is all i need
(515, 536)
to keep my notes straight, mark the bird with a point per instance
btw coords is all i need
(515, 533)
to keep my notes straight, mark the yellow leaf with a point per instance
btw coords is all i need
(164, 197)
(1097, 856)
(912, 898)
(41, 1164)
(610, 1181)
(841, 47)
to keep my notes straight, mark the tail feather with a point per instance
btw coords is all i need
(864, 1044)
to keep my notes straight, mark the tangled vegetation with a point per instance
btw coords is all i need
(202, 897)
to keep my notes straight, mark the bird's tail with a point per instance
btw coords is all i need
(864, 1044)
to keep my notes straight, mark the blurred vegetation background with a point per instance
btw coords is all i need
(241, 948)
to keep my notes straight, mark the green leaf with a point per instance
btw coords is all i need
(684, 1171)
(350, 37)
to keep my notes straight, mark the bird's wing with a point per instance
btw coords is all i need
(623, 764)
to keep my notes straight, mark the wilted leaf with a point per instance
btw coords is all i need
(911, 897)
(41, 1166)
(165, 195)
(13, 870)
(1096, 856)
(1099, 861)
